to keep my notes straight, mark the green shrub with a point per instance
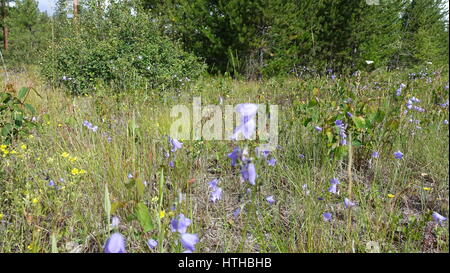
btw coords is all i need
(15, 114)
(111, 47)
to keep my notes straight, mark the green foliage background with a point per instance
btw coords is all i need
(254, 39)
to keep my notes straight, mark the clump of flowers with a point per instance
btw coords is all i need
(410, 105)
(216, 193)
(174, 146)
(180, 225)
(333, 188)
(398, 92)
(248, 173)
(247, 126)
(342, 127)
(90, 126)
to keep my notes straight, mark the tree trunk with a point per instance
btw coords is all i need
(75, 8)
(5, 37)
(5, 28)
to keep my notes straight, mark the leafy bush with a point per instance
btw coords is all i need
(119, 47)
(13, 111)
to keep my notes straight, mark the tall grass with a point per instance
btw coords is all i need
(394, 198)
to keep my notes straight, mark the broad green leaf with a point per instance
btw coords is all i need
(356, 143)
(341, 151)
(6, 130)
(107, 204)
(140, 187)
(30, 108)
(375, 117)
(143, 215)
(54, 246)
(316, 92)
(329, 136)
(115, 206)
(22, 93)
(360, 122)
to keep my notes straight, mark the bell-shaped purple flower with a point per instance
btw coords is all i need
(152, 243)
(249, 173)
(247, 126)
(437, 218)
(115, 244)
(216, 194)
(334, 181)
(327, 216)
(180, 224)
(398, 155)
(234, 156)
(247, 109)
(348, 203)
(115, 221)
(237, 212)
(333, 188)
(175, 144)
(272, 161)
(213, 183)
(189, 241)
(265, 153)
(270, 199)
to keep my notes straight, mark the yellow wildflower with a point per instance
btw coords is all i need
(75, 171)
(391, 195)
(30, 247)
(1, 216)
(73, 159)
(35, 200)
(162, 214)
(82, 171)
(3, 147)
(23, 147)
(13, 152)
(65, 154)
(426, 189)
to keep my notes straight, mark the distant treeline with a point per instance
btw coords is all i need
(259, 38)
